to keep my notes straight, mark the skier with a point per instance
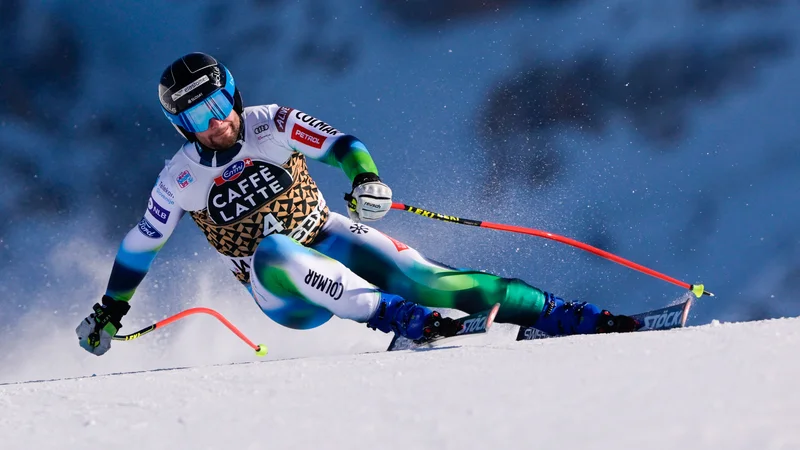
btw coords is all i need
(242, 177)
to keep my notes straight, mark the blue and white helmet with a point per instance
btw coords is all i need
(195, 89)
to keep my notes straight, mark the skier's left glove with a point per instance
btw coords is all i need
(370, 199)
(95, 331)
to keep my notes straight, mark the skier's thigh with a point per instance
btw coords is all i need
(299, 287)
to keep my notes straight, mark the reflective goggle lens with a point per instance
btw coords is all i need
(195, 119)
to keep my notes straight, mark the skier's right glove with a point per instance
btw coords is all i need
(95, 331)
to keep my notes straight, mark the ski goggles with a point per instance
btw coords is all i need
(218, 106)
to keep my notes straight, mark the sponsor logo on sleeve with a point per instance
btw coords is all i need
(245, 186)
(192, 86)
(313, 122)
(164, 192)
(280, 118)
(147, 229)
(163, 188)
(184, 179)
(161, 214)
(305, 136)
(233, 171)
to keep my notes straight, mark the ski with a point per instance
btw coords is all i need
(477, 323)
(666, 318)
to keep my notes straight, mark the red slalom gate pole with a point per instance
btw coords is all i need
(697, 289)
(261, 349)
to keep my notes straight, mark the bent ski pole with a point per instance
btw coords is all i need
(261, 349)
(697, 289)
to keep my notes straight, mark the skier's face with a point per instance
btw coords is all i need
(221, 134)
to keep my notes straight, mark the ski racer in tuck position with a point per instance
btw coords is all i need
(241, 176)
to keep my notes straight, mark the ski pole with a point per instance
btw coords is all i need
(697, 289)
(261, 349)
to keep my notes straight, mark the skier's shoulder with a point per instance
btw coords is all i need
(263, 118)
(177, 173)
(293, 129)
(260, 111)
(173, 165)
(259, 114)
(258, 123)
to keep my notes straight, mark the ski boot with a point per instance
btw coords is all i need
(609, 323)
(411, 320)
(561, 318)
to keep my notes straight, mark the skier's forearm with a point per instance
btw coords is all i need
(132, 263)
(322, 142)
(142, 243)
(352, 156)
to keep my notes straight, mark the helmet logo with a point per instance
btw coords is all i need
(194, 98)
(215, 77)
(192, 86)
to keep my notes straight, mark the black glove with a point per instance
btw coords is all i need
(95, 331)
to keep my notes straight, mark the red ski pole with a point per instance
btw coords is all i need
(697, 289)
(261, 349)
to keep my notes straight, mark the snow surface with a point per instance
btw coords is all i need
(730, 386)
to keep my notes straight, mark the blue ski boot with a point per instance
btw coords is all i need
(411, 320)
(560, 318)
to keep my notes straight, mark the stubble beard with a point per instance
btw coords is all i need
(226, 141)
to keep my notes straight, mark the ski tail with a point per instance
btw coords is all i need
(673, 316)
(477, 323)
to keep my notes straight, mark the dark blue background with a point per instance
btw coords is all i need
(665, 132)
